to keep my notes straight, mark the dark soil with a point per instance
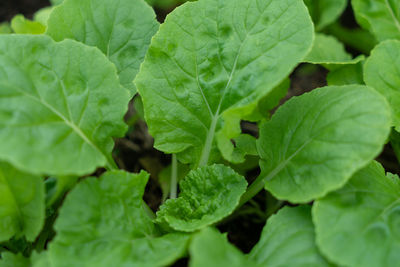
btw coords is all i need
(10, 8)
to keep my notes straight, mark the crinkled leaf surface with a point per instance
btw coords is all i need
(208, 194)
(381, 17)
(325, 12)
(359, 225)
(381, 71)
(288, 239)
(121, 29)
(327, 50)
(313, 143)
(22, 207)
(103, 223)
(61, 100)
(214, 59)
(212, 249)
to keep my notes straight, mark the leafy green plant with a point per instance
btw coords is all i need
(67, 78)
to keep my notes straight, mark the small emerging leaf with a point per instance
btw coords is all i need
(208, 194)
(21, 25)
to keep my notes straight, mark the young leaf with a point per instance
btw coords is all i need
(381, 71)
(212, 249)
(121, 29)
(325, 12)
(208, 194)
(288, 239)
(347, 74)
(316, 142)
(63, 101)
(103, 223)
(359, 225)
(21, 25)
(22, 207)
(327, 50)
(210, 63)
(381, 17)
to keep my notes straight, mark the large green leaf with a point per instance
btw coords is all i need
(325, 12)
(103, 223)
(212, 249)
(381, 17)
(208, 194)
(381, 71)
(288, 239)
(121, 29)
(13, 260)
(22, 205)
(359, 225)
(60, 105)
(314, 143)
(210, 63)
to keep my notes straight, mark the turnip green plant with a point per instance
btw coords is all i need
(67, 79)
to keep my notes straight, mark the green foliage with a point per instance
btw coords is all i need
(63, 102)
(288, 239)
(208, 194)
(381, 72)
(362, 218)
(21, 204)
(103, 223)
(12, 260)
(20, 24)
(312, 144)
(120, 29)
(325, 12)
(381, 17)
(198, 79)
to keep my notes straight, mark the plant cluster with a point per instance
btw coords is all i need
(67, 77)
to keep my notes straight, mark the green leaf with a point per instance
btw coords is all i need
(13, 260)
(347, 74)
(103, 223)
(56, 2)
(61, 100)
(288, 239)
(359, 225)
(5, 28)
(22, 208)
(313, 143)
(327, 50)
(381, 71)
(208, 194)
(20, 24)
(121, 29)
(165, 4)
(210, 63)
(42, 16)
(212, 249)
(381, 17)
(325, 12)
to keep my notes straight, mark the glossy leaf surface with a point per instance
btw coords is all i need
(210, 63)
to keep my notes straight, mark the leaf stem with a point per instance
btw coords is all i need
(253, 190)
(174, 177)
(205, 154)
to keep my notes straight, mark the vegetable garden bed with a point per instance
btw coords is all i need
(206, 133)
